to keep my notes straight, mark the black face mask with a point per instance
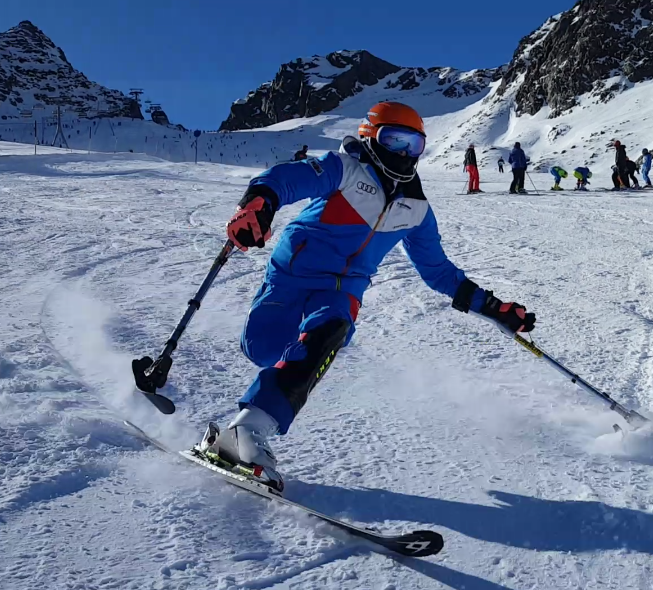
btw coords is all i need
(404, 165)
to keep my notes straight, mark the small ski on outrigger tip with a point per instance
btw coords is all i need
(415, 544)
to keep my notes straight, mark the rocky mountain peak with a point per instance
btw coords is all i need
(34, 71)
(306, 87)
(599, 47)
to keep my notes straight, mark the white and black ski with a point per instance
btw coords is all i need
(415, 544)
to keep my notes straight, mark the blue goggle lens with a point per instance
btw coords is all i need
(398, 139)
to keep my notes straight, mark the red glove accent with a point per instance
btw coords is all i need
(251, 225)
(512, 315)
(515, 317)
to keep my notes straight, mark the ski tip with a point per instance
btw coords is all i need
(160, 402)
(419, 544)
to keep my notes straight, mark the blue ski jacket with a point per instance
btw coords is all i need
(646, 163)
(518, 159)
(350, 224)
(583, 172)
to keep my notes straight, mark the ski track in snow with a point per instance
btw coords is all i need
(430, 419)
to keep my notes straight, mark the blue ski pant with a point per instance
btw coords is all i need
(293, 335)
(645, 175)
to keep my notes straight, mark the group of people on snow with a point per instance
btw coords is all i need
(582, 174)
(623, 170)
(517, 160)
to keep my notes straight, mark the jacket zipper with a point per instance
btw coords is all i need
(350, 259)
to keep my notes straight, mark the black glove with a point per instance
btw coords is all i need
(511, 315)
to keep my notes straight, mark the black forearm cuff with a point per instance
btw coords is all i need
(463, 298)
(260, 190)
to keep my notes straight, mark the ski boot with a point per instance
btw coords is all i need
(522, 191)
(243, 448)
(556, 188)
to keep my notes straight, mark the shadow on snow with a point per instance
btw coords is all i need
(515, 521)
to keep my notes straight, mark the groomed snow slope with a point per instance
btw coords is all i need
(430, 419)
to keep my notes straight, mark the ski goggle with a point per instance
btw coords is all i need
(399, 139)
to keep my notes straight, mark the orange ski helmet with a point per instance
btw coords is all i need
(398, 166)
(390, 113)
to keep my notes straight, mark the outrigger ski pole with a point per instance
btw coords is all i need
(633, 418)
(150, 374)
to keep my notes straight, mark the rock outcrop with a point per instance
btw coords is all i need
(35, 72)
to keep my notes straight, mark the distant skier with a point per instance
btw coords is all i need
(646, 167)
(582, 175)
(631, 170)
(364, 199)
(472, 169)
(519, 164)
(301, 154)
(616, 178)
(501, 163)
(620, 160)
(558, 174)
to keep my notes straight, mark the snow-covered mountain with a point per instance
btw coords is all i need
(600, 47)
(307, 87)
(34, 72)
(578, 82)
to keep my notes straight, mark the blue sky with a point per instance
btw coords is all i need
(196, 57)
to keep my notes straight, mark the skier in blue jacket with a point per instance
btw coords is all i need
(582, 175)
(519, 164)
(363, 201)
(558, 173)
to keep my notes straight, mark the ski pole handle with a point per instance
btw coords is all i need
(151, 375)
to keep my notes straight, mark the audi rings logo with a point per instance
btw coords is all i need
(371, 190)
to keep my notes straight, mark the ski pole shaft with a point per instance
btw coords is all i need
(195, 302)
(529, 178)
(625, 413)
(151, 375)
(630, 416)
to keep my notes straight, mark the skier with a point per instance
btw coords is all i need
(502, 163)
(582, 174)
(646, 167)
(519, 164)
(558, 174)
(301, 154)
(616, 178)
(472, 168)
(631, 170)
(364, 199)
(620, 159)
